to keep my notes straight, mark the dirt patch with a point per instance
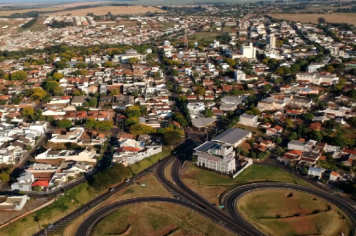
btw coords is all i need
(115, 10)
(349, 18)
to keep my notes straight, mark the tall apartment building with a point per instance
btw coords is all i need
(271, 41)
(248, 51)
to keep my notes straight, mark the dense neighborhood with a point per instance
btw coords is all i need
(101, 93)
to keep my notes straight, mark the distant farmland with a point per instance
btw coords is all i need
(115, 10)
(349, 18)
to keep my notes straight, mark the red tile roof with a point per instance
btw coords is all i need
(131, 149)
(42, 183)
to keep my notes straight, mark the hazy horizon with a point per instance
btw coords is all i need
(138, 2)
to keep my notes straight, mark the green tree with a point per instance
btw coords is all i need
(293, 136)
(316, 135)
(91, 124)
(288, 122)
(156, 74)
(37, 93)
(294, 68)
(175, 72)
(133, 60)
(180, 119)
(81, 65)
(138, 129)
(208, 113)
(105, 125)
(230, 62)
(108, 64)
(278, 140)
(308, 117)
(57, 76)
(330, 69)
(64, 124)
(4, 177)
(28, 111)
(352, 93)
(51, 86)
(173, 137)
(133, 111)
(200, 91)
(18, 75)
(131, 121)
(283, 70)
(93, 102)
(114, 92)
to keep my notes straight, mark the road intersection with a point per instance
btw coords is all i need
(184, 196)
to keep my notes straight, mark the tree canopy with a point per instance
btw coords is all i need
(138, 129)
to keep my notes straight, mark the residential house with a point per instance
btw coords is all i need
(13, 203)
(24, 182)
(249, 120)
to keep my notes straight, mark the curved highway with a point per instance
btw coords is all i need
(85, 228)
(186, 197)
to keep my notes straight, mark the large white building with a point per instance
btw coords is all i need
(131, 53)
(248, 51)
(216, 156)
(239, 75)
(271, 41)
(249, 120)
(318, 79)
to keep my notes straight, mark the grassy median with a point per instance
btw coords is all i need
(210, 184)
(156, 219)
(281, 212)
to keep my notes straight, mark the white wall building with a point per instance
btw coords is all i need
(239, 75)
(216, 156)
(271, 41)
(248, 51)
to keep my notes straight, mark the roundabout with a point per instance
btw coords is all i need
(267, 206)
(230, 219)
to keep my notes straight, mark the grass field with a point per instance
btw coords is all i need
(77, 4)
(156, 219)
(115, 10)
(153, 188)
(27, 226)
(280, 212)
(349, 18)
(207, 36)
(210, 184)
(46, 9)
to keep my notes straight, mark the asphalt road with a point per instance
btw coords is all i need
(64, 220)
(235, 225)
(230, 200)
(85, 228)
(188, 198)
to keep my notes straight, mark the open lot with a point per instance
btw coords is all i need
(285, 212)
(349, 18)
(115, 10)
(77, 4)
(46, 9)
(154, 219)
(210, 184)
